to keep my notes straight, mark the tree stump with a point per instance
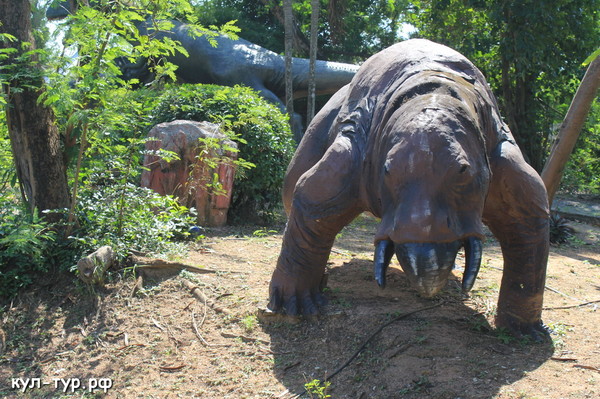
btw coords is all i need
(201, 177)
(92, 268)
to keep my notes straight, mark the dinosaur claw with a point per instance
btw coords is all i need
(291, 306)
(308, 306)
(275, 301)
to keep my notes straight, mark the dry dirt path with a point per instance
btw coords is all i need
(164, 343)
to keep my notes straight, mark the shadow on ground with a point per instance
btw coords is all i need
(448, 351)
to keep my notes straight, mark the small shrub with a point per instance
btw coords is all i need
(317, 389)
(263, 135)
(560, 230)
(249, 323)
(128, 217)
(25, 246)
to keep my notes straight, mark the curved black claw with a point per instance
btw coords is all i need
(309, 308)
(537, 331)
(306, 305)
(384, 250)
(275, 301)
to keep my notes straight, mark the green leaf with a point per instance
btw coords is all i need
(591, 58)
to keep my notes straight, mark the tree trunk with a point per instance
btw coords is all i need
(33, 134)
(314, 29)
(300, 42)
(570, 129)
(288, 26)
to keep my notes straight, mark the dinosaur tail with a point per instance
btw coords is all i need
(329, 76)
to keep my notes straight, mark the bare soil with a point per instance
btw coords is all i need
(162, 342)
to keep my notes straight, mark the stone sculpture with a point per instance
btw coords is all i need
(417, 140)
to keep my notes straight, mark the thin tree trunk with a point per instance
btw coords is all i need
(33, 133)
(300, 42)
(314, 28)
(288, 26)
(570, 129)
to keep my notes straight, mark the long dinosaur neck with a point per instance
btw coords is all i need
(329, 76)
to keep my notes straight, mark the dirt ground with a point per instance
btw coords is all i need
(162, 342)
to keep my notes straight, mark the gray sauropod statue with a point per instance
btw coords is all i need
(233, 62)
(417, 140)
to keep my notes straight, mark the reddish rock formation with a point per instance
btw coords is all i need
(190, 178)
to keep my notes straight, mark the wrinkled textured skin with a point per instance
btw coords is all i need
(417, 140)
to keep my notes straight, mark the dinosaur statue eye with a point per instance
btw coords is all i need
(463, 168)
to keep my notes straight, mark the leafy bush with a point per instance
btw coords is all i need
(560, 229)
(25, 246)
(128, 217)
(25, 240)
(260, 128)
(7, 167)
(582, 173)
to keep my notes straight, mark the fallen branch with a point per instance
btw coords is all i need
(560, 293)
(2, 341)
(200, 337)
(93, 267)
(197, 292)
(573, 306)
(245, 338)
(139, 284)
(563, 359)
(292, 366)
(145, 263)
(157, 325)
(171, 368)
(583, 366)
(402, 348)
(129, 346)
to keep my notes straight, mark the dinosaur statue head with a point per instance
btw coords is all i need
(434, 178)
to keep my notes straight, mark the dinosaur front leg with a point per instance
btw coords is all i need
(517, 213)
(324, 201)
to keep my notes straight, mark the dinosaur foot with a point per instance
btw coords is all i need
(537, 331)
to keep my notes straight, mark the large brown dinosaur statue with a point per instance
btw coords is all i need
(417, 140)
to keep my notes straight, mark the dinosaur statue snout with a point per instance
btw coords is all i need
(428, 265)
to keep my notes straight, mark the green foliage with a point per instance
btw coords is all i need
(260, 128)
(212, 153)
(592, 57)
(560, 230)
(582, 173)
(101, 123)
(128, 217)
(530, 51)
(349, 31)
(25, 246)
(7, 168)
(317, 389)
(254, 19)
(249, 323)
